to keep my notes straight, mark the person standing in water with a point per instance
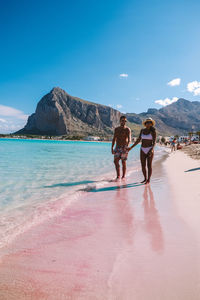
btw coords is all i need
(122, 138)
(148, 138)
(173, 145)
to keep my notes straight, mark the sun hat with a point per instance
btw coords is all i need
(149, 120)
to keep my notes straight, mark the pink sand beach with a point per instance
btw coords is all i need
(125, 241)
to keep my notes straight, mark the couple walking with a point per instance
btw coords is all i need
(122, 139)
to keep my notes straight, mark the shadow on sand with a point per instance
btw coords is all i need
(118, 187)
(67, 184)
(191, 170)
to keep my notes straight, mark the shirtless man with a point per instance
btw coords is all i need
(122, 138)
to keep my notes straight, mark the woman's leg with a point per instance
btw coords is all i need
(149, 166)
(143, 159)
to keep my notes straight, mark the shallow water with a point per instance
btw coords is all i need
(37, 173)
(123, 241)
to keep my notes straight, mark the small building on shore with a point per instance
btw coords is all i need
(92, 138)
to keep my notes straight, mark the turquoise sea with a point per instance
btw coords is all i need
(40, 178)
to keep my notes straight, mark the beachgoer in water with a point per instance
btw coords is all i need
(148, 138)
(122, 138)
(173, 145)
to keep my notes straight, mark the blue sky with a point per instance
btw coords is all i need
(84, 46)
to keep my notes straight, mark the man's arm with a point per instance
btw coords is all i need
(113, 142)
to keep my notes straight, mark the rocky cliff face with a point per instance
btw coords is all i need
(177, 118)
(58, 113)
(183, 115)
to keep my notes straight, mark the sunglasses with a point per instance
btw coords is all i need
(148, 122)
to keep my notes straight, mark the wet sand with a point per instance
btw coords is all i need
(124, 241)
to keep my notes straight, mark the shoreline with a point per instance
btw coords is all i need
(56, 205)
(53, 140)
(130, 236)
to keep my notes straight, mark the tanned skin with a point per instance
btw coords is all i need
(122, 138)
(146, 158)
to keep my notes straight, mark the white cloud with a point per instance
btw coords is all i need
(3, 120)
(12, 112)
(110, 105)
(9, 128)
(174, 82)
(166, 101)
(194, 87)
(119, 106)
(11, 119)
(123, 75)
(197, 92)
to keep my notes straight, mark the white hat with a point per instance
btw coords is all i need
(149, 120)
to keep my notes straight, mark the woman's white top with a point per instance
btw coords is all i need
(146, 136)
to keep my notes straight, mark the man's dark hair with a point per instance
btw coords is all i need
(122, 117)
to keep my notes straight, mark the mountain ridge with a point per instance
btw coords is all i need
(58, 113)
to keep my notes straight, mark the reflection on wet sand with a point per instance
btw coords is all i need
(135, 260)
(126, 243)
(125, 213)
(151, 218)
(125, 216)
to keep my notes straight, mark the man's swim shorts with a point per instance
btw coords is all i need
(121, 153)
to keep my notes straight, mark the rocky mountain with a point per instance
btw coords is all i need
(177, 118)
(58, 113)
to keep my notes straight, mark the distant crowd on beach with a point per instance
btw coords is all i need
(175, 143)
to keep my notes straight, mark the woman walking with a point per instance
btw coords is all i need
(148, 138)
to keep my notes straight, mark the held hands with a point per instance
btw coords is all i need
(150, 153)
(129, 148)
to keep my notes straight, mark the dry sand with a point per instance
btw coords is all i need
(192, 150)
(125, 241)
(184, 178)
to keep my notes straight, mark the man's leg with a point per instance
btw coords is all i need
(117, 166)
(123, 168)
